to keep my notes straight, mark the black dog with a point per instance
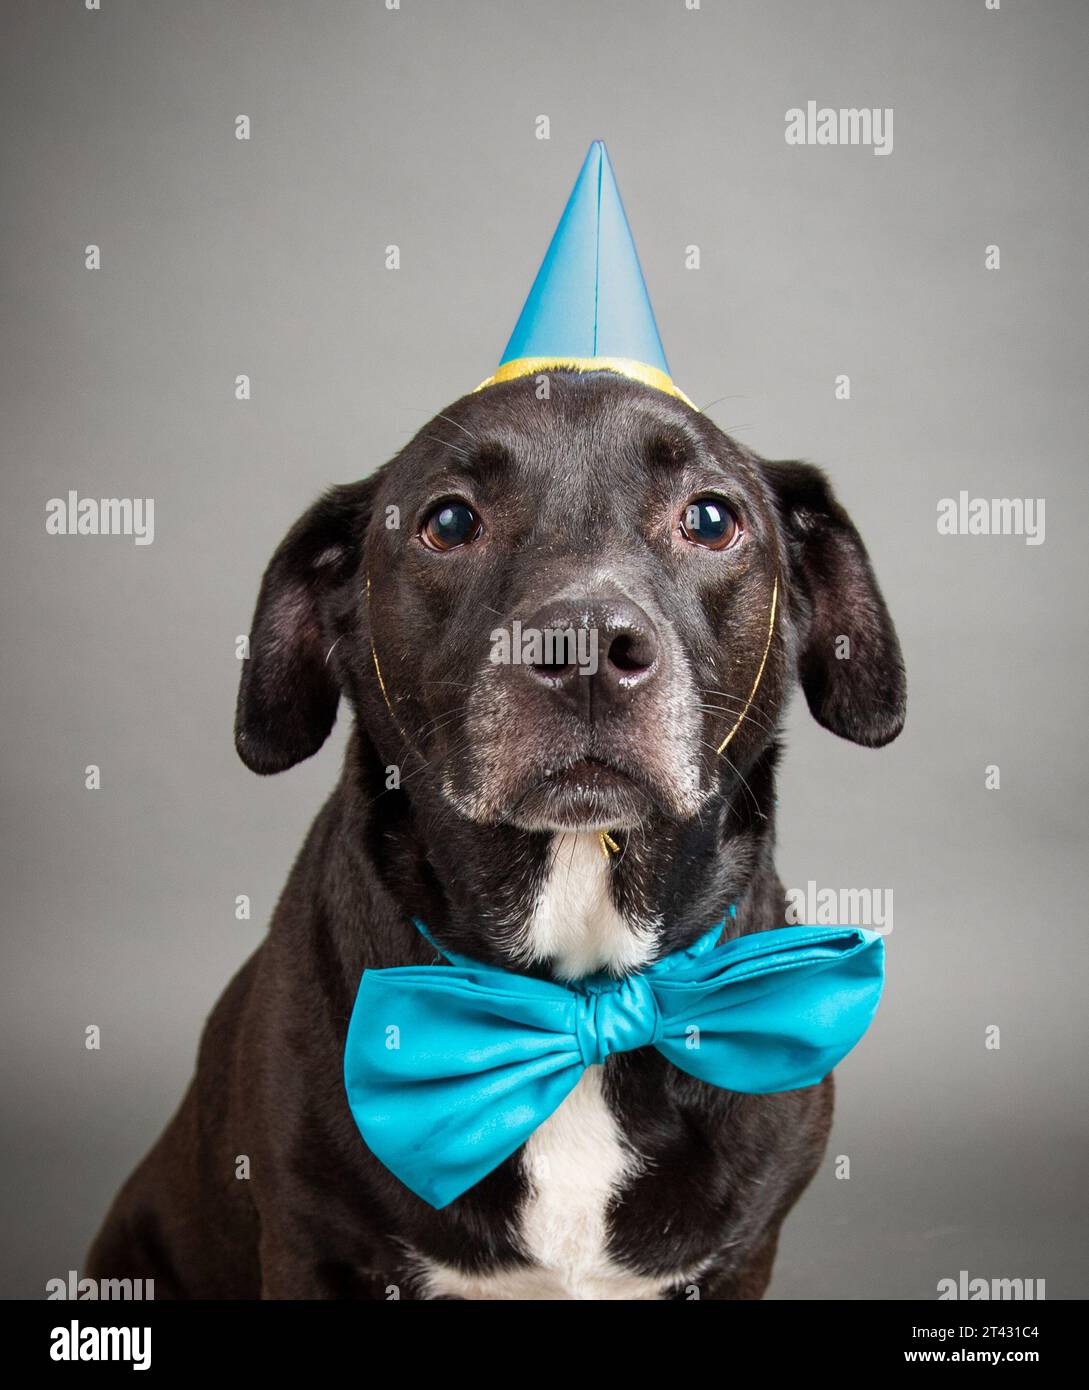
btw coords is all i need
(608, 507)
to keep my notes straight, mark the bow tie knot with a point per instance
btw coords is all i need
(617, 1018)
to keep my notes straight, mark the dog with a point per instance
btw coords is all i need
(536, 817)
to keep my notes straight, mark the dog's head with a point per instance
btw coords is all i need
(582, 611)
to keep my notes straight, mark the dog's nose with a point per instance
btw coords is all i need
(592, 649)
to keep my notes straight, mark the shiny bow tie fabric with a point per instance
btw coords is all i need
(450, 1068)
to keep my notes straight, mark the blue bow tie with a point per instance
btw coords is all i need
(450, 1068)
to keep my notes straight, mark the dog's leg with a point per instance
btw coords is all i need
(316, 1265)
(747, 1274)
(185, 1218)
(747, 1281)
(193, 1238)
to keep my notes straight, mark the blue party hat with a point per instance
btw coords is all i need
(588, 310)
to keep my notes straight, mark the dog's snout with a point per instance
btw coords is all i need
(594, 649)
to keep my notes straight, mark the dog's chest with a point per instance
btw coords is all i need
(578, 1162)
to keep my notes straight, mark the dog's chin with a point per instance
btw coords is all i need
(584, 796)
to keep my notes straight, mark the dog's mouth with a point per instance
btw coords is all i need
(586, 794)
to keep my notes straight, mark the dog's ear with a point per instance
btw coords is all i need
(859, 691)
(288, 696)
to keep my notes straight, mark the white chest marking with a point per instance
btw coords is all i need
(578, 1160)
(574, 925)
(575, 1163)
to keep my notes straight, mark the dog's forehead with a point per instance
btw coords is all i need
(578, 435)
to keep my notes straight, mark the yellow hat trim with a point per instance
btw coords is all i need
(623, 366)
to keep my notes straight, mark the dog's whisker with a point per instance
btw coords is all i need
(739, 774)
(439, 723)
(718, 401)
(725, 694)
(735, 708)
(746, 718)
(455, 424)
(462, 452)
(732, 707)
(426, 766)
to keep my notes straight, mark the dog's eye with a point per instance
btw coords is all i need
(709, 522)
(449, 525)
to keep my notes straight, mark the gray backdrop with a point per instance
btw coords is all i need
(416, 127)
